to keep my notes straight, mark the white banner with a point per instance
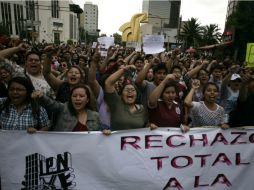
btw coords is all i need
(204, 158)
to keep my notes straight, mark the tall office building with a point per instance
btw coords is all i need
(163, 18)
(91, 18)
(162, 14)
(231, 7)
(229, 30)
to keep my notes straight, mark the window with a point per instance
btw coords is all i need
(56, 37)
(55, 8)
(6, 16)
(71, 26)
(19, 19)
(30, 10)
(75, 25)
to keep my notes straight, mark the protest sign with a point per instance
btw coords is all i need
(94, 45)
(153, 44)
(249, 59)
(204, 158)
(105, 43)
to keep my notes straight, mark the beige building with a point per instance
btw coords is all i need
(38, 20)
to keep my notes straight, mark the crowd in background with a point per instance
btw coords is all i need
(73, 88)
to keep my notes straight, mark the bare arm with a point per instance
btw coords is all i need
(195, 70)
(210, 65)
(226, 79)
(92, 74)
(111, 55)
(142, 74)
(112, 79)
(129, 57)
(188, 98)
(10, 51)
(53, 81)
(156, 93)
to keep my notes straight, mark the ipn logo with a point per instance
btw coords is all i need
(53, 173)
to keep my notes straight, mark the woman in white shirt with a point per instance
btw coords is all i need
(206, 112)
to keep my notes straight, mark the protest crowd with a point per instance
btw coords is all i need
(74, 88)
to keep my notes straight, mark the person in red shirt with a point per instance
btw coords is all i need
(164, 110)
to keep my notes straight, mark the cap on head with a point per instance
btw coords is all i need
(235, 77)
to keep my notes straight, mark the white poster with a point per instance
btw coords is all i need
(204, 158)
(105, 43)
(153, 44)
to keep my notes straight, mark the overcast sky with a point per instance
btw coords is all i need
(114, 13)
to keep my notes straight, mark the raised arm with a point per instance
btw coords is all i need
(48, 103)
(189, 97)
(53, 81)
(111, 54)
(112, 79)
(156, 93)
(142, 74)
(209, 67)
(196, 69)
(6, 53)
(93, 83)
(129, 57)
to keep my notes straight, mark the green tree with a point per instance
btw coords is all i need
(191, 33)
(118, 38)
(210, 34)
(241, 21)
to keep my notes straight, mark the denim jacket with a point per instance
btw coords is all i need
(65, 120)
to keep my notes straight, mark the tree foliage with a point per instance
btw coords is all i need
(191, 33)
(118, 38)
(210, 34)
(195, 35)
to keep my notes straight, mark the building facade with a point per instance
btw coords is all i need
(90, 18)
(51, 21)
(163, 18)
(232, 4)
(229, 31)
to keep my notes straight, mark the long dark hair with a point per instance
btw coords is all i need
(88, 93)
(26, 82)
